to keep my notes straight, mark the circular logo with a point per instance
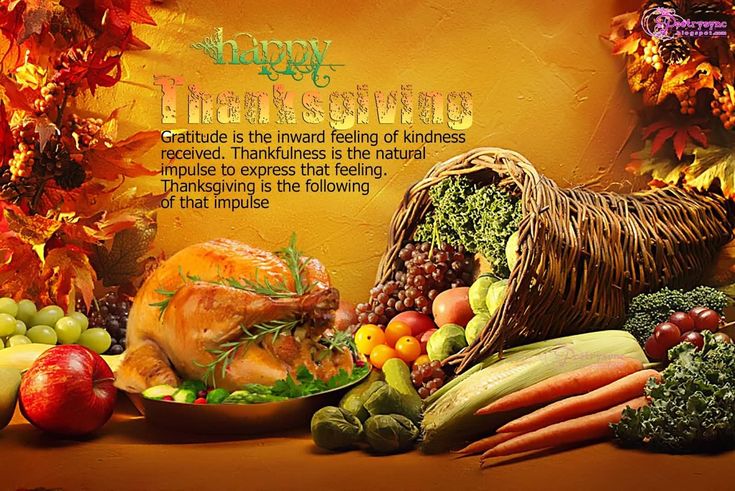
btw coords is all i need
(660, 22)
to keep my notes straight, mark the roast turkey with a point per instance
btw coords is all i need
(187, 314)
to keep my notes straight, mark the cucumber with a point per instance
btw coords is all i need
(184, 395)
(352, 401)
(159, 392)
(398, 376)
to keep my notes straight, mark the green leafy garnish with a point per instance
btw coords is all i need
(305, 384)
(693, 408)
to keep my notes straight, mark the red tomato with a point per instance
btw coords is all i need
(418, 322)
(453, 307)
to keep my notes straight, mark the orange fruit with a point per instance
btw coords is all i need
(382, 353)
(395, 331)
(408, 348)
(368, 337)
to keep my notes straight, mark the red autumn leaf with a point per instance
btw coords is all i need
(94, 68)
(679, 132)
(113, 19)
(6, 137)
(110, 162)
(11, 19)
(67, 269)
(20, 268)
(17, 98)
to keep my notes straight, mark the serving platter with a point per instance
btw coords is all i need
(241, 419)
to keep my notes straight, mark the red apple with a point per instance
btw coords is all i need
(453, 307)
(68, 391)
(424, 339)
(418, 322)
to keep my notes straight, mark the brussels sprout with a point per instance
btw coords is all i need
(511, 250)
(384, 399)
(390, 433)
(333, 428)
(448, 340)
(474, 326)
(478, 292)
(495, 296)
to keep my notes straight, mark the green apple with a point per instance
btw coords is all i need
(9, 383)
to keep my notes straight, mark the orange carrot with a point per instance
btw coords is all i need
(567, 384)
(577, 430)
(622, 390)
(486, 443)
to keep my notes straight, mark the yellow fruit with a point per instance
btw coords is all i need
(368, 337)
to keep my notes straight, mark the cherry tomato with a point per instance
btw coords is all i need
(683, 321)
(695, 338)
(408, 348)
(368, 337)
(667, 335)
(654, 350)
(418, 322)
(382, 353)
(421, 360)
(395, 331)
(707, 320)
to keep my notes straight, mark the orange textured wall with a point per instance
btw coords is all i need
(543, 82)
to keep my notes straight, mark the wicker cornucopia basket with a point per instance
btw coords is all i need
(583, 255)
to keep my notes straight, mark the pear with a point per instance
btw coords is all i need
(9, 383)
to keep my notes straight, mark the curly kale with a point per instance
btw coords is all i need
(649, 309)
(693, 408)
(481, 218)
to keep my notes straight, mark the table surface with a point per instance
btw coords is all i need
(129, 454)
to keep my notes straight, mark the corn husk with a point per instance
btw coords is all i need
(449, 420)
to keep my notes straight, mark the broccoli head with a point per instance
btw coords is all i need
(649, 309)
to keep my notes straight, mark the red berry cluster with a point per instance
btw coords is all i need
(683, 327)
(428, 378)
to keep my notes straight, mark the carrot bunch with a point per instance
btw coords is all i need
(588, 400)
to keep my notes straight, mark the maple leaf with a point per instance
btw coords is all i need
(125, 259)
(680, 132)
(17, 98)
(710, 165)
(11, 19)
(6, 137)
(93, 67)
(110, 161)
(113, 19)
(30, 76)
(643, 77)
(65, 270)
(20, 268)
(679, 79)
(34, 230)
(662, 169)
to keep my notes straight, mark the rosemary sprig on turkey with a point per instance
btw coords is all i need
(232, 314)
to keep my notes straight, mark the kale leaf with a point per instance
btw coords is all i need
(481, 218)
(693, 408)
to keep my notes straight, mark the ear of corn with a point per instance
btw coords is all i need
(450, 420)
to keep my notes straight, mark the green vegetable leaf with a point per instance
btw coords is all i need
(693, 408)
